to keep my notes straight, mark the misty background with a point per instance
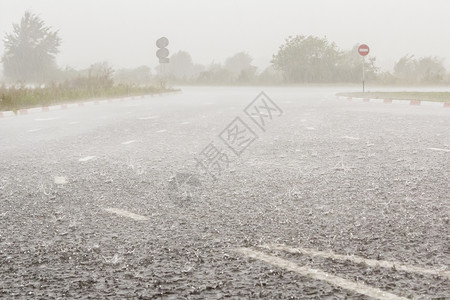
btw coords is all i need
(123, 33)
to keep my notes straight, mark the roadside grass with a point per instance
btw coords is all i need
(423, 96)
(16, 98)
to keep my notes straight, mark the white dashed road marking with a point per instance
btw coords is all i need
(350, 137)
(124, 213)
(357, 259)
(185, 123)
(34, 130)
(60, 180)
(73, 123)
(148, 118)
(439, 149)
(358, 287)
(86, 158)
(128, 142)
(162, 130)
(46, 119)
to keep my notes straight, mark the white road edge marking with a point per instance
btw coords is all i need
(124, 213)
(86, 158)
(358, 259)
(128, 142)
(439, 149)
(358, 287)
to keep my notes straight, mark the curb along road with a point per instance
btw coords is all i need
(64, 106)
(396, 101)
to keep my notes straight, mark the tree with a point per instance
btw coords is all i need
(240, 67)
(182, 68)
(215, 74)
(97, 76)
(237, 63)
(424, 70)
(30, 51)
(307, 59)
(270, 76)
(349, 66)
(138, 76)
(100, 75)
(405, 69)
(430, 69)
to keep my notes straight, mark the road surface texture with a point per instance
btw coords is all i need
(331, 200)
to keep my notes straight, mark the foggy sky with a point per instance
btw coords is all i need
(123, 32)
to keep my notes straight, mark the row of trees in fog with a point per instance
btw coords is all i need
(31, 48)
(307, 59)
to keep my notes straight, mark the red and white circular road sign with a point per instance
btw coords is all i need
(363, 50)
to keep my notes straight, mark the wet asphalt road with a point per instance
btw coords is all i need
(107, 202)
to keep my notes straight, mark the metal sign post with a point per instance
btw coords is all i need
(364, 62)
(363, 50)
(162, 53)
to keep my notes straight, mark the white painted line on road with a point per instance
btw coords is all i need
(128, 142)
(162, 130)
(46, 119)
(432, 103)
(86, 158)
(310, 128)
(34, 110)
(350, 137)
(397, 101)
(147, 118)
(358, 259)
(7, 114)
(73, 105)
(60, 180)
(54, 107)
(125, 213)
(439, 149)
(185, 123)
(34, 130)
(73, 123)
(357, 287)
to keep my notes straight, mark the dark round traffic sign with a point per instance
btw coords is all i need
(162, 42)
(363, 50)
(162, 53)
